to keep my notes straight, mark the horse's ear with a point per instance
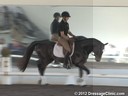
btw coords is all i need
(105, 43)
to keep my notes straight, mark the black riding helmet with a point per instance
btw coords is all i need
(57, 14)
(65, 14)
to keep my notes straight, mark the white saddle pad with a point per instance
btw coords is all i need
(58, 51)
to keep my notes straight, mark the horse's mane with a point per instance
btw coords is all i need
(47, 41)
(79, 39)
(95, 41)
(88, 41)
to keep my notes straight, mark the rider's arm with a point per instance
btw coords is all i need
(54, 27)
(63, 35)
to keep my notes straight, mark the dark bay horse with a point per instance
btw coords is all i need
(83, 47)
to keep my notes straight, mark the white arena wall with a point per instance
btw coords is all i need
(108, 24)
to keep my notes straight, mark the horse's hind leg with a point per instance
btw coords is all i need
(41, 68)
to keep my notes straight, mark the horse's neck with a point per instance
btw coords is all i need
(89, 44)
(88, 49)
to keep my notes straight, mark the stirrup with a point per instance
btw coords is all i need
(69, 63)
(68, 66)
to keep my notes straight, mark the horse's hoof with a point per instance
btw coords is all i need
(80, 80)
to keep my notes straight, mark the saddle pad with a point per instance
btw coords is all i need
(58, 51)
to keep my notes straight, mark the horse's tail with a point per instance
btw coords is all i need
(23, 62)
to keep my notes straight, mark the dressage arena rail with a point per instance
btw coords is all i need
(90, 57)
(8, 73)
(61, 74)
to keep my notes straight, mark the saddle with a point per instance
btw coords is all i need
(60, 52)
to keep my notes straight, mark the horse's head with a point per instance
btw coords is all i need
(98, 51)
(91, 45)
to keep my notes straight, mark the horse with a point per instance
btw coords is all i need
(44, 49)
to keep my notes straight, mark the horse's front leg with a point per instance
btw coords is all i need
(81, 80)
(82, 67)
(80, 72)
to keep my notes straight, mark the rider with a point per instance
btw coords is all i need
(63, 36)
(54, 27)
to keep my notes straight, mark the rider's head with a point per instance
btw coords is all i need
(65, 15)
(56, 15)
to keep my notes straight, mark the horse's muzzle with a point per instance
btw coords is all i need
(98, 59)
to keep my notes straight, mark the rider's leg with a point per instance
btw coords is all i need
(66, 61)
(54, 37)
(66, 46)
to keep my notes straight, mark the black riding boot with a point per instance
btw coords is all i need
(66, 61)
